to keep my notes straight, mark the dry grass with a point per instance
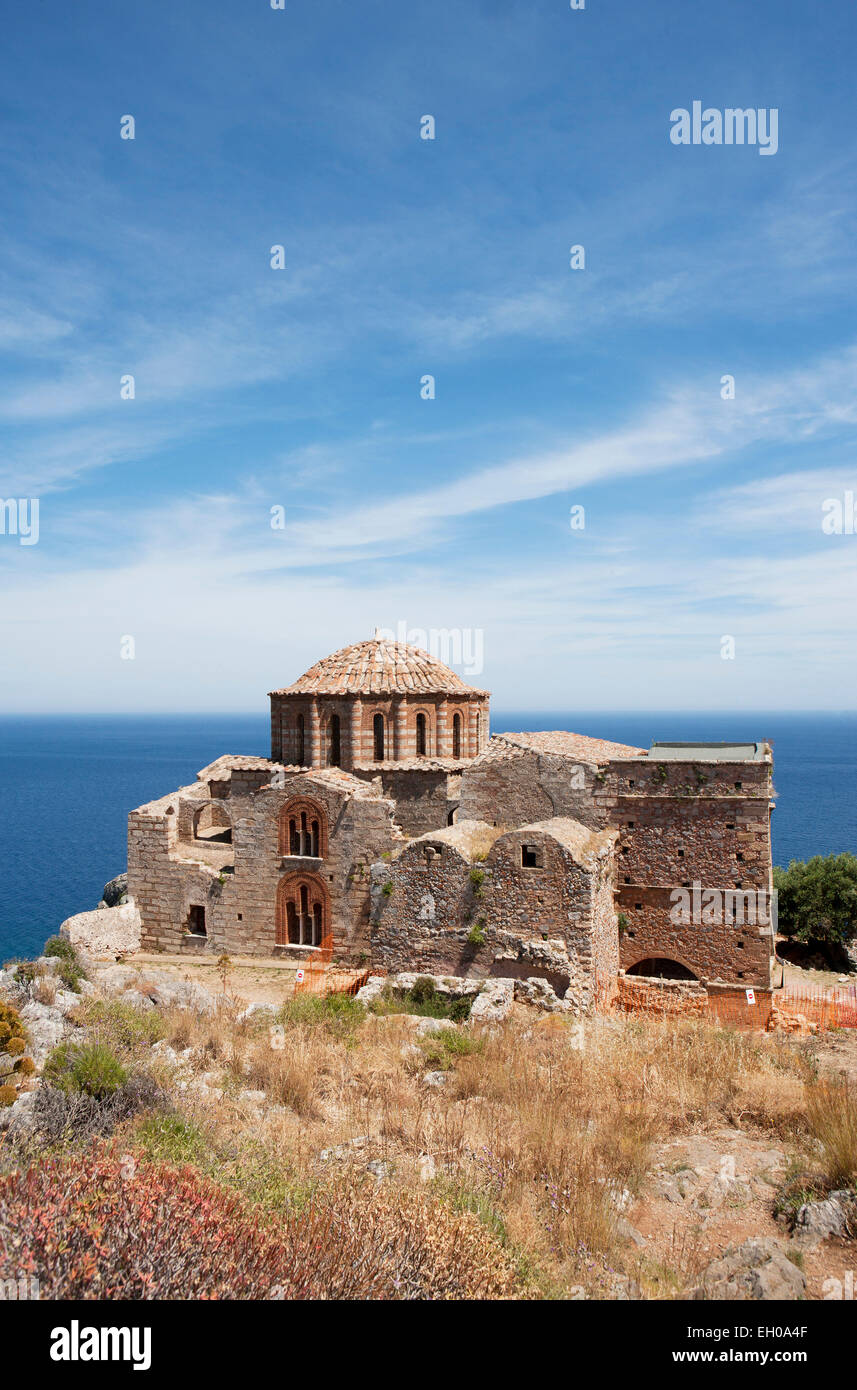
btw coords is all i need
(832, 1116)
(537, 1141)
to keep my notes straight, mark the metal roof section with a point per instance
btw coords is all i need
(710, 752)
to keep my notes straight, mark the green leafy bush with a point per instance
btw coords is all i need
(423, 999)
(60, 946)
(817, 899)
(88, 1067)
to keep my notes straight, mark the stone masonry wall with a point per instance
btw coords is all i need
(680, 823)
(447, 911)
(167, 874)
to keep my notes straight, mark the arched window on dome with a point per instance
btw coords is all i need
(301, 741)
(378, 737)
(422, 745)
(456, 735)
(334, 742)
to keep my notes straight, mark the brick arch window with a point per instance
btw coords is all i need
(300, 728)
(422, 736)
(456, 735)
(334, 741)
(478, 730)
(303, 912)
(303, 829)
(378, 738)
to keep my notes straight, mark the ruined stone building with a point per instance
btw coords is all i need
(390, 829)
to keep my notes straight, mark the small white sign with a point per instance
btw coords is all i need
(299, 979)
(751, 996)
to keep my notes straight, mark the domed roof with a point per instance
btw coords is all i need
(378, 667)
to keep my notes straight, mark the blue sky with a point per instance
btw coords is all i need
(300, 388)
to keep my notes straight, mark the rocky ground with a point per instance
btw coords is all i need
(706, 1134)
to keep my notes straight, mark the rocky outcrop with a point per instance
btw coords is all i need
(757, 1270)
(149, 988)
(494, 1001)
(106, 932)
(835, 1216)
(115, 893)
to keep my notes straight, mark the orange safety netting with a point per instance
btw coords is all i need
(316, 977)
(794, 1009)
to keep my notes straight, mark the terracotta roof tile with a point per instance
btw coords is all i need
(378, 667)
(592, 750)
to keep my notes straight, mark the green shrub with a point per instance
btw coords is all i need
(422, 990)
(71, 975)
(60, 946)
(170, 1137)
(123, 1027)
(387, 889)
(442, 1048)
(817, 899)
(423, 1000)
(338, 1014)
(476, 935)
(88, 1067)
(477, 878)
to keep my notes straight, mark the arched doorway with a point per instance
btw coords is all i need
(303, 912)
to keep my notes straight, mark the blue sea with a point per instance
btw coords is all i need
(67, 785)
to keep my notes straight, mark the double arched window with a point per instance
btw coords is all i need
(303, 912)
(303, 830)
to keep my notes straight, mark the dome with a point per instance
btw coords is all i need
(378, 667)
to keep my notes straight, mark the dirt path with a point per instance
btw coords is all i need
(259, 982)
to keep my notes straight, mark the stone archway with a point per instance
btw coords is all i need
(303, 912)
(661, 968)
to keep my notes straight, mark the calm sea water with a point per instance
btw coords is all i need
(67, 784)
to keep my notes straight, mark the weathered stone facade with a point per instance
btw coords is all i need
(234, 894)
(535, 902)
(695, 816)
(388, 826)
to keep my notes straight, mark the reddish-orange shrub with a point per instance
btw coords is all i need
(87, 1231)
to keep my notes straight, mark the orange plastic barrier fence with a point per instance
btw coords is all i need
(795, 1009)
(316, 977)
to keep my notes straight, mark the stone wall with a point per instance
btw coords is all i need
(466, 901)
(680, 823)
(237, 885)
(425, 799)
